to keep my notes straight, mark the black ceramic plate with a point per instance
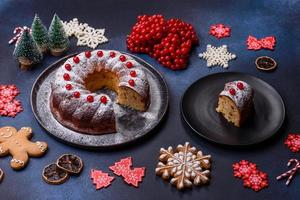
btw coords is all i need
(199, 103)
(131, 124)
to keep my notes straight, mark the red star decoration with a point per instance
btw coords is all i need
(220, 31)
(101, 179)
(243, 168)
(293, 142)
(256, 180)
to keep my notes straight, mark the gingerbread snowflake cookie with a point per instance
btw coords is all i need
(217, 56)
(17, 144)
(185, 166)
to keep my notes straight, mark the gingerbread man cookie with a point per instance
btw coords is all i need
(18, 144)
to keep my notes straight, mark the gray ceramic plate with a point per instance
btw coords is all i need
(131, 124)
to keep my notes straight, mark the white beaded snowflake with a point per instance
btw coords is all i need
(73, 27)
(217, 56)
(86, 35)
(91, 37)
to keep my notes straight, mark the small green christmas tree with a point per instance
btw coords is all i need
(27, 51)
(40, 34)
(58, 40)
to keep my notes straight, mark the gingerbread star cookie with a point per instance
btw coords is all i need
(18, 144)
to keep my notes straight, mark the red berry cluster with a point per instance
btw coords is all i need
(252, 177)
(168, 41)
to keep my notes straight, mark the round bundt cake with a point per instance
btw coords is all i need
(74, 102)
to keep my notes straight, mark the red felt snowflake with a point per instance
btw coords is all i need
(256, 180)
(220, 31)
(101, 179)
(8, 92)
(293, 142)
(133, 177)
(121, 167)
(243, 168)
(11, 108)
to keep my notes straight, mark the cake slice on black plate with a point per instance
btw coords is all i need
(236, 102)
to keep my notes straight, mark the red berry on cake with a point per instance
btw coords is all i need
(66, 77)
(129, 64)
(131, 82)
(232, 91)
(76, 59)
(68, 67)
(88, 54)
(133, 73)
(69, 87)
(122, 58)
(99, 53)
(90, 98)
(103, 99)
(112, 54)
(240, 85)
(76, 94)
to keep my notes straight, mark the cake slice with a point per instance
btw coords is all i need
(236, 102)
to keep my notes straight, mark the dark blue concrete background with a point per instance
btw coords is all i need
(259, 18)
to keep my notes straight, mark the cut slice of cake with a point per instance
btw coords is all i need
(236, 102)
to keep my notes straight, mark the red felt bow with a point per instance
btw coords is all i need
(264, 43)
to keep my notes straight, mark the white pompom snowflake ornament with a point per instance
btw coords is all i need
(73, 27)
(217, 56)
(91, 37)
(86, 35)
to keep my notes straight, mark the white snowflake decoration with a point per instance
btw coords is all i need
(73, 27)
(217, 56)
(186, 166)
(85, 34)
(91, 37)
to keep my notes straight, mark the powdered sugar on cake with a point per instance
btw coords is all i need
(76, 103)
(242, 92)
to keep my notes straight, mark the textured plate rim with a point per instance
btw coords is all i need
(224, 143)
(155, 125)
